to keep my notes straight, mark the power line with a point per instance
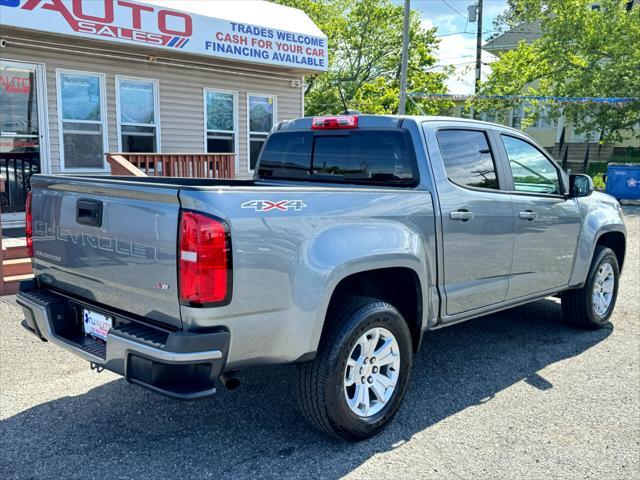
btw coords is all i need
(466, 33)
(455, 33)
(547, 98)
(460, 57)
(450, 65)
(452, 8)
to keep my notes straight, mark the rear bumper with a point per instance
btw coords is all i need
(175, 363)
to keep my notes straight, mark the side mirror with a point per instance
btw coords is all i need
(580, 185)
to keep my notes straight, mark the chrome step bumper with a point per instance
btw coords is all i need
(178, 364)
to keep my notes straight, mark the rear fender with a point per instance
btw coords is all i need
(345, 250)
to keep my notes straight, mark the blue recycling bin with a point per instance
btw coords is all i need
(623, 180)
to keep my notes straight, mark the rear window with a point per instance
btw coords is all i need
(356, 156)
(287, 155)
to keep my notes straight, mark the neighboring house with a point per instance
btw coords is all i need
(548, 132)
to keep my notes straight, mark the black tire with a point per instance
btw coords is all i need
(320, 388)
(577, 305)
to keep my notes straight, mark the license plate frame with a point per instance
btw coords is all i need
(96, 325)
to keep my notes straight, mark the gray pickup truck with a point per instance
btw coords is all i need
(357, 235)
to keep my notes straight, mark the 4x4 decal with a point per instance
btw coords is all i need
(280, 205)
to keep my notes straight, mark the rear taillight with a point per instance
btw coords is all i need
(204, 260)
(29, 225)
(334, 123)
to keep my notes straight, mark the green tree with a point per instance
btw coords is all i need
(365, 41)
(583, 52)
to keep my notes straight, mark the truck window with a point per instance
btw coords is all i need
(356, 156)
(532, 171)
(467, 158)
(287, 155)
(365, 155)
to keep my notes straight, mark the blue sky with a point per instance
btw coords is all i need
(458, 48)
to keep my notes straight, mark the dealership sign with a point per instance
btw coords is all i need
(151, 25)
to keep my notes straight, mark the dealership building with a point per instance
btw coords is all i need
(81, 78)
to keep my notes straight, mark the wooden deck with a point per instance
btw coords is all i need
(192, 165)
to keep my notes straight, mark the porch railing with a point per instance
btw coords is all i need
(193, 165)
(16, 168)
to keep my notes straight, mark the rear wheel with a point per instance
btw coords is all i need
(591, 306)
(357, 381)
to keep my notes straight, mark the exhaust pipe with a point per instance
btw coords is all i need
(230, 381)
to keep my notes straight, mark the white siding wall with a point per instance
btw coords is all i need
(181, 95)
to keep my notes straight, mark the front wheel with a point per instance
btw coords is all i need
(591, 306)
(357, 381)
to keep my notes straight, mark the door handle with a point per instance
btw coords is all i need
(463, 215)
(528, 215)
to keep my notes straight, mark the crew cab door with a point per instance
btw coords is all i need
(547, 224)
(477, 218)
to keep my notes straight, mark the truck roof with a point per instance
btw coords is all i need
(383, 121)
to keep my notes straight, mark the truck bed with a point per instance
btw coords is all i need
(287, 239)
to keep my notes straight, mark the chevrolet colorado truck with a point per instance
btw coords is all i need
(356, 236)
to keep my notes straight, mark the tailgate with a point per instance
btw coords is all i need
(109, 242)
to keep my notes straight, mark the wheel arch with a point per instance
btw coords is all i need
(616, 241)
(357, 256)
(400, 286)
(612, 235)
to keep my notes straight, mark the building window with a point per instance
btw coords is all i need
(220, 119)
(489, 116)
(81, 115)
(543, 122)
(262, 112)
(138, 116)
(517, 115)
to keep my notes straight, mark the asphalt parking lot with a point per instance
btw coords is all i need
(513, 395)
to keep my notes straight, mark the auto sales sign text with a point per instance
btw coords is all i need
(146, 24)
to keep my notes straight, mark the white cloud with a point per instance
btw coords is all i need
(460, 51)
(456, 49)
(445, 23)
(426, 23)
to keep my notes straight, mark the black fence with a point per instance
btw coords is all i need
(17, 168)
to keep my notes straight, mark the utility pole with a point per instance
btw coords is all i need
(478, 47)
(405, 57)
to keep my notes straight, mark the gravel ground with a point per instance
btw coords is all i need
(512, 395)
